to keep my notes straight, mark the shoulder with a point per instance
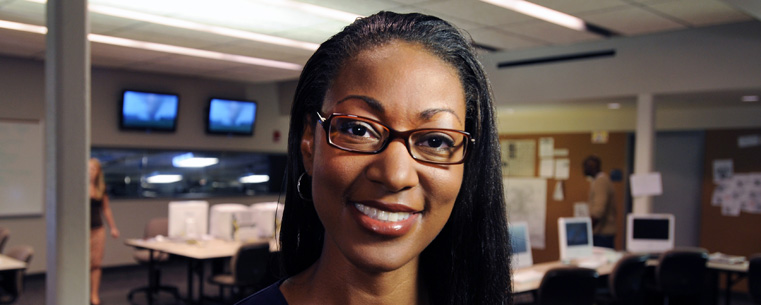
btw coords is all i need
(270, 296)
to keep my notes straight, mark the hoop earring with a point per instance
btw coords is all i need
(298, 189)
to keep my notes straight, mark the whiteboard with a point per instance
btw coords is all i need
(21, 168)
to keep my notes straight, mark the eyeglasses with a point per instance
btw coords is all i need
(367, 136)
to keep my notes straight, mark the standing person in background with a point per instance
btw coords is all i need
(98, 205)
(602, 207)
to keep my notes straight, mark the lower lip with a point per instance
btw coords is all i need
(386, 228)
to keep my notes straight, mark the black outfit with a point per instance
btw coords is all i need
(96, 209)
(267, 296)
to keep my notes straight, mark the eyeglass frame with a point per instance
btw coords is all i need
(394, 134)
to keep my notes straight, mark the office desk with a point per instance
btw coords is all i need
(8, 263)
(734, 273)
(197, 252)
(533, 284)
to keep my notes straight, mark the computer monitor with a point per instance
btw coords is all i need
(521, 245)
(188, 219)
(649, 232)
(266, 217)
(221, 223)
(575, 236)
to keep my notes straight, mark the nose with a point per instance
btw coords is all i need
(393, 168)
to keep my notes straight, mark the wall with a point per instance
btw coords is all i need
(22, 85)
(701, 59)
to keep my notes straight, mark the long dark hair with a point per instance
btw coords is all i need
(468, 262)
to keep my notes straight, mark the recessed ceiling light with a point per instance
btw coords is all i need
(614, 106)
(750, 98)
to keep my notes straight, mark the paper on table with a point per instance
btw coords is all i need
(546, 167)
(646, 184)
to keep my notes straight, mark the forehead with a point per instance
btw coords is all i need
(404, 77)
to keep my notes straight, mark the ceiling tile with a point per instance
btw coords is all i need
(580, 6)
(24, 12)
(359, 7)
(701, 12)
(632, 21)
(476, 11)
(502, 40)
(549, 33)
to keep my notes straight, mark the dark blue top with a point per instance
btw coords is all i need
(267, 296)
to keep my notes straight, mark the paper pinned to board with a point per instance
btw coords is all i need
(648, 184)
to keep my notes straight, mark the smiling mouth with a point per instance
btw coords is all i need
(382, 215)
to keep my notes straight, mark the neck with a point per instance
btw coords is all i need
(335, 280)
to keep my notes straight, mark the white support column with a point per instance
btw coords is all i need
(67, 135)
(644, 150)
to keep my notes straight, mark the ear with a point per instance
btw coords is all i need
(307, 147)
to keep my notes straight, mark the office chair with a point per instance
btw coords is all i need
(5, 234)
(248, 268)
(154, 227)
(567, 286)
(680, 275)
(754, 278)
(625, 282)
(13, 284)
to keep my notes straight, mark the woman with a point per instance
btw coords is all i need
(98, 205)
(394, 191)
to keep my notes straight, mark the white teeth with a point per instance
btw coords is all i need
(381, 214)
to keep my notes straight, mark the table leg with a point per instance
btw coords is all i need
(151, 277)
(190, 281)
(728, 289)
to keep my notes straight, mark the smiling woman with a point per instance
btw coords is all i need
(394, 191)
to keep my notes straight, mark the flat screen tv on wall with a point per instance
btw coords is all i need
(148, 111)
(231, 117)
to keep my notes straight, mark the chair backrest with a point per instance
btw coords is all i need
(754, 278)
(156, 226)
(568, 286)
(626, 279)
(249, 264)
(5, 233)
(23, 253)
(681, 272)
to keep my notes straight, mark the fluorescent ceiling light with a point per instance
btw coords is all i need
(193, 52)
(105, 10)
(165, 48)
(541, 12)
(316, 10)
(254, 179)
(23, 27)
(159, 179)
(750, 98)
(614, 106)
(188, 160)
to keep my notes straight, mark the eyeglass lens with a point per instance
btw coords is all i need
(364, 135)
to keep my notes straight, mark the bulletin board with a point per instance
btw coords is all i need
(21, 167)
(720, 231)
(575, 147)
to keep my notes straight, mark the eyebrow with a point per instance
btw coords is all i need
(378, 106)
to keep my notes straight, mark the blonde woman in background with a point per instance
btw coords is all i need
(98, 206)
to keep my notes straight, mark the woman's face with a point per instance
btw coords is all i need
(94, 169)
(405, 87)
